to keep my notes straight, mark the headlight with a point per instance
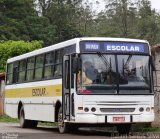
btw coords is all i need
(141, 109)
(86, 109)
(148, 109)
(93, 109)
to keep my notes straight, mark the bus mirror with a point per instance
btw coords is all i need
(76, 64)
(152, 62)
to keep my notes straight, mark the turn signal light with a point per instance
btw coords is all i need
(80, 108)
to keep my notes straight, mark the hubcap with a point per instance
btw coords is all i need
(60, 121)
(22, 118)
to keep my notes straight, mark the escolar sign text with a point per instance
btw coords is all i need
(124, 47)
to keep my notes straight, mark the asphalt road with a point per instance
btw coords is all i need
(13, 131)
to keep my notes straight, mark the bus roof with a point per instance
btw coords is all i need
(112, 39)
(68, 43)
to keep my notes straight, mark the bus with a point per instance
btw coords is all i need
(90, 81)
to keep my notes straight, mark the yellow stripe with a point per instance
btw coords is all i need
(40, 91)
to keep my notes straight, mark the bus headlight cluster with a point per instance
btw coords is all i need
(148, 109)
(86, 109)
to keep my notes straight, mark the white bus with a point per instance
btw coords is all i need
(83, 81)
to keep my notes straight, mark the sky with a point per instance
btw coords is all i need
(154, 3)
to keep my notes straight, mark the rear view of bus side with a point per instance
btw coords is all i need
(83, 81)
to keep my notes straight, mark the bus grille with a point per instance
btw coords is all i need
(117, 109)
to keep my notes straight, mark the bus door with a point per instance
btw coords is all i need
(68, 93)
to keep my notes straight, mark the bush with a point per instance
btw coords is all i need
(10, 49)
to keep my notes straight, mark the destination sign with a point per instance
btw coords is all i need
(114, 47)
(126, 47)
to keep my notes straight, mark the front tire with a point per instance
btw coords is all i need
(62, 126)
(33, 123)
(124, 129)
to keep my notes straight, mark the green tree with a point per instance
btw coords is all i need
(10, 49)
(85, 19)
(13, 13)
(127, 18)
(20, 21)
(120, 15)
(147, 22)
(62, 14)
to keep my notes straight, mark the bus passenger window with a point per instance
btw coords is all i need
(58, 70)
(30, 69)
(58, 56)
(9, 74)
(22, 71)
(58, 63)
(49, 61)
(15, 71)
(39, 67)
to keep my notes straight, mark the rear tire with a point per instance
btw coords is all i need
(22, 120)
(124, 129)
(26, 123)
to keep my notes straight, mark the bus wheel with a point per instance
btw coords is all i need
(32, 123)
(73, 128)
(62, 126)
(124, 129)
(23, 121)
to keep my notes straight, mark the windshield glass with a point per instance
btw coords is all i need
(134, 70)
(99, 75)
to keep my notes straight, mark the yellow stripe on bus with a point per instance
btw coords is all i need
(40, 91)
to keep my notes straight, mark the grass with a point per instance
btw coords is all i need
(144, 128)
(135, 128)
(5, 118)
(47, 124)
(151, 129)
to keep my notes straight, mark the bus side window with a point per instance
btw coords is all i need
(9, 79)
(39, 67)
(30, 68)
(48, 66)
(22, 70)
(58, 63)
(15, 72)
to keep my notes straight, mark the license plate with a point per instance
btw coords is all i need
(118, 119)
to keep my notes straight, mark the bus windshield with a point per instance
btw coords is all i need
(106, 73)
(134, 69)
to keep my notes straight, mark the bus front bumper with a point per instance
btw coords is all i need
(114, 119)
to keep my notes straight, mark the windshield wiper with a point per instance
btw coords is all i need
(125, 66)
(127, 62)
(105, 61)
